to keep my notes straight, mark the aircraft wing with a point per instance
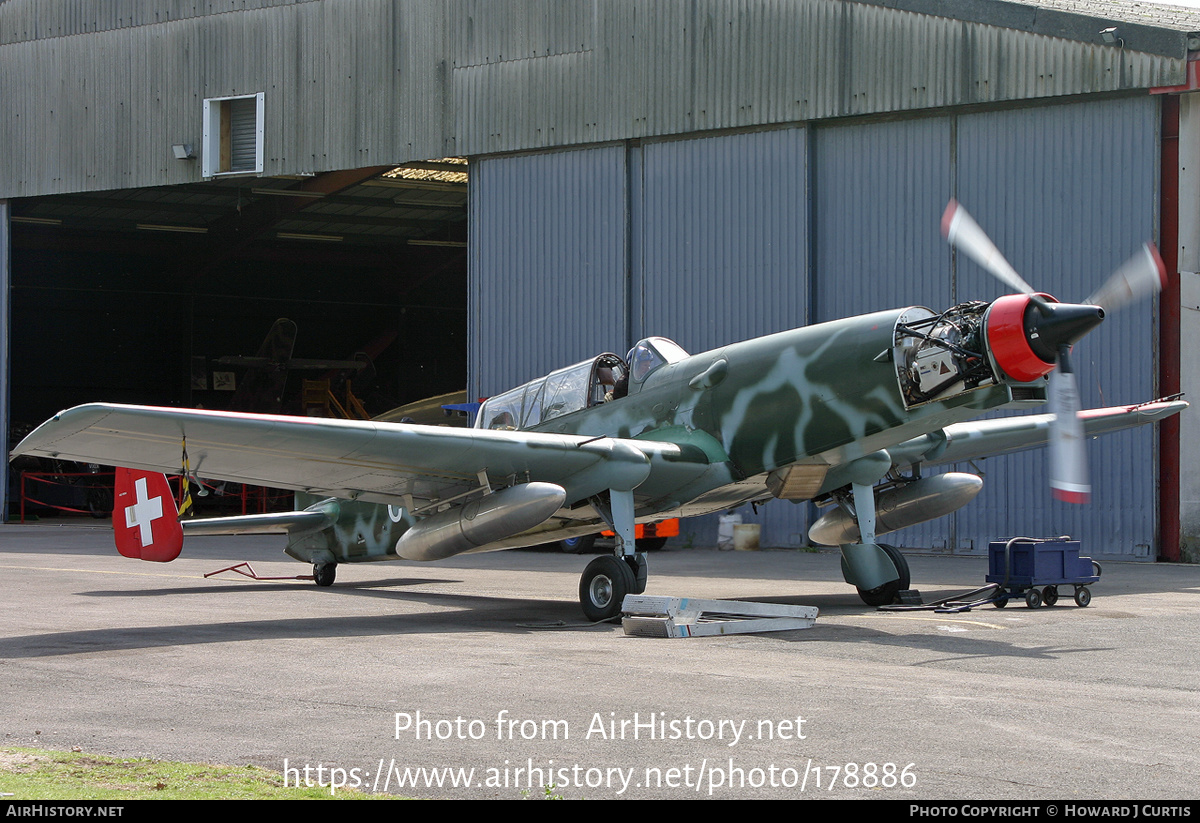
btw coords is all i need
(378, 462)
(986, 438)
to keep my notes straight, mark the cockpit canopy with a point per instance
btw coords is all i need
(651, 353)
(602, 379)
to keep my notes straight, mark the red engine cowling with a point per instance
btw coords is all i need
(1009, 328)
(1027, 335)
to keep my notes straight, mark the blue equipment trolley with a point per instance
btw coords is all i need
(1022, 565)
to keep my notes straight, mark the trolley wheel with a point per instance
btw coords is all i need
(578, 545)
(1082, 597)
(1050, 595)
(1033, 599)
(1001, 601)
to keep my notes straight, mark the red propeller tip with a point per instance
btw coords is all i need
(1072, 497)
(948, 215)
(1158, 263)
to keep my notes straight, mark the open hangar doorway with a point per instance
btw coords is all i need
(160, 296)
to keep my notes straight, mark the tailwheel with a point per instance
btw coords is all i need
(324, 573)
(603, 587)
(885, 595)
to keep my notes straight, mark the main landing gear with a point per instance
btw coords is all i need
(877, 570)
(608, 578)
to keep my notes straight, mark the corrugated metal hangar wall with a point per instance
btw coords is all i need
(97, 93)
(724, 237)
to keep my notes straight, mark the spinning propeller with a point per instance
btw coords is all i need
(1031, 334)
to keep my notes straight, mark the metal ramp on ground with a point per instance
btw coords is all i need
(645, 616)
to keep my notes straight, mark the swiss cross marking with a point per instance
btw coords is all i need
(143, 512)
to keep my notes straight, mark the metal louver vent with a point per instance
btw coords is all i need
(243, 121)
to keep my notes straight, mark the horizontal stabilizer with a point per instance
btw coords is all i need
(313, 519)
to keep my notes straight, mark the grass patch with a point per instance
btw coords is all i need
(38, 774)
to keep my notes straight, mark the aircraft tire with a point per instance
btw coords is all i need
(324, 573)
(640, 567)
(603, 587)
(885, 595)
(578, 545)
(901, 564)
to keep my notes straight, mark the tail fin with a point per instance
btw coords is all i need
(144, 518)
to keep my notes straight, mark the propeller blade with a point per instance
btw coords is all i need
(964, 234)
(1068, 455)
(1140, 276)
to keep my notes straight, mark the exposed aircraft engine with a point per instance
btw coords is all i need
(940, 355)
(480, 522)
(1017, 338)
(901, 506)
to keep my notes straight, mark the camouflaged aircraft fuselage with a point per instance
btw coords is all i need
(785, 415)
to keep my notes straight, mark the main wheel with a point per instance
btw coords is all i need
(323, 573)
(640, 568)
(603, 587)
(885, 595)
(578, 545)
(901, 564)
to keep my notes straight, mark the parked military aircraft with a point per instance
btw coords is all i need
(837, 412)
(261, 388)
